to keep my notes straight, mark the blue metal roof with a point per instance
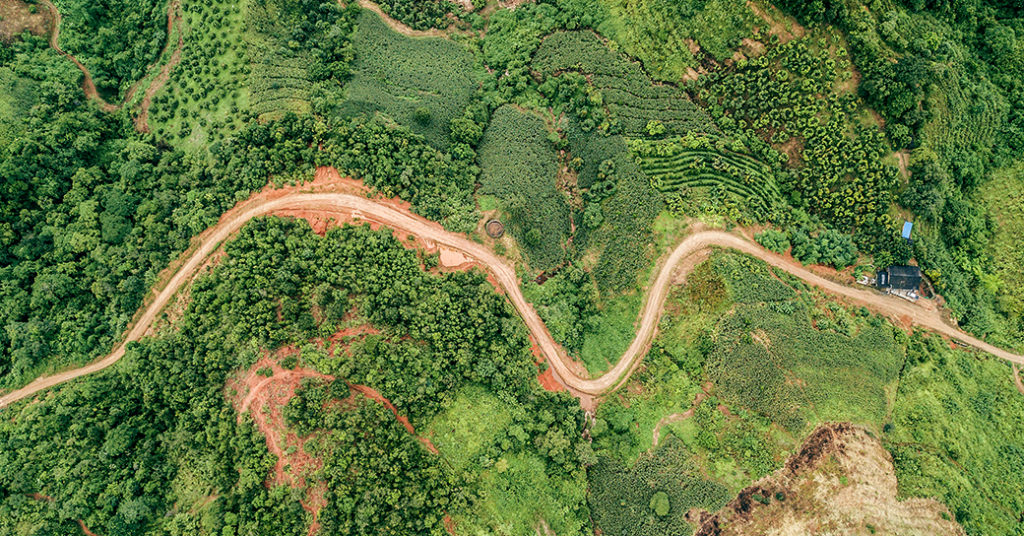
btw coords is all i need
(907, 226)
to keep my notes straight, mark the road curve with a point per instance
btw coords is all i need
(361, 208)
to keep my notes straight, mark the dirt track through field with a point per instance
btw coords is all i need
(397, 218)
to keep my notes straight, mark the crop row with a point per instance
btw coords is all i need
(733, 173)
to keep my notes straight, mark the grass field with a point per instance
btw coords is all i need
(517, 494)
(420, 83)
(1003, 199)
(956, 435)
(518, 166)
(468, 426)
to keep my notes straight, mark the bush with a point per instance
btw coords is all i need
(773, 240)
(659, 504)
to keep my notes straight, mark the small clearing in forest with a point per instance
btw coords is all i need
(17, 16)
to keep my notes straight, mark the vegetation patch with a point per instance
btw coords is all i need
(834, 167)
(117, 42)
(679, 165)
(632, 100)
(420, 14)
(1003, 200)
(468, 427)
(518, 166)
(654, 495)
(421, 83)
(665, 35)
(955, 435)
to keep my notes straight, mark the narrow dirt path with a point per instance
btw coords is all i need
(1016, 379)
(397, 218)
(173, 20)
(89, 87)
(87, 84)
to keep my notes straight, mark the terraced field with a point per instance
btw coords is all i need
(631, 98)
(734, 173)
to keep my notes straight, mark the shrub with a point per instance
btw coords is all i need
(773, 240)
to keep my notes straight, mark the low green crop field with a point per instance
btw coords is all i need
(519, 167)
(420, 83)
(631, 98)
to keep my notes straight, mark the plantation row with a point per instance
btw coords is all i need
(633, 100)
(784, 99)
(675, 166)
(279, 83)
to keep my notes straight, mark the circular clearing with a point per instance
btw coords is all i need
(494, 228)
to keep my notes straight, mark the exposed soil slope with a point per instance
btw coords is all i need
(16, 16)
(354, 207)
(841, 481)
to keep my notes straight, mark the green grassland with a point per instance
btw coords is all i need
(1002, 199)
(956, 436)
(519, 167)
(420, 83)
(468, 426)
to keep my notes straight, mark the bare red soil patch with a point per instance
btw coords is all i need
(548, 382)
(264, 397)
(449, 524)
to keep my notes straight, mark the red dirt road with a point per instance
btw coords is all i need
(354, 207)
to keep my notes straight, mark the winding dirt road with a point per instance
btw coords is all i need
(362, 208)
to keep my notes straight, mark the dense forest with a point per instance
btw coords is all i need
(599, 132)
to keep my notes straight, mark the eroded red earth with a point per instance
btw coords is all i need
(264, 398)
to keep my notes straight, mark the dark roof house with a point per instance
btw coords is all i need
(899, 278)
